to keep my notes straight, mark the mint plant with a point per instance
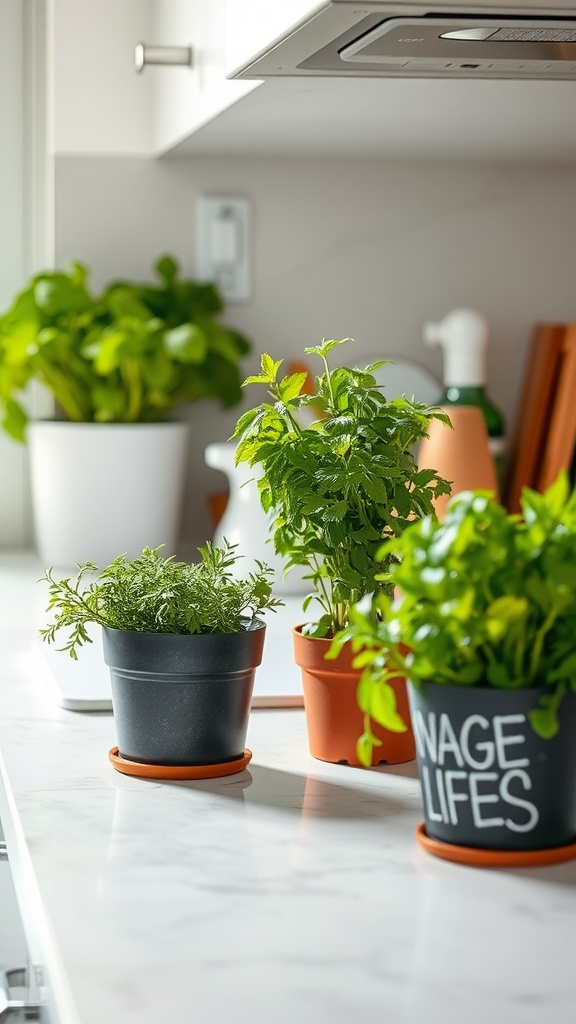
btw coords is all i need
(127, 355)
(337, 488)
(152, 594)
(486, 599)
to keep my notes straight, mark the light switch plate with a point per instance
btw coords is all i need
(223, 254)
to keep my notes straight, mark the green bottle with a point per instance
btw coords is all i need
(463, 336)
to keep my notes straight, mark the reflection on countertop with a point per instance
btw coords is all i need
(293, 891)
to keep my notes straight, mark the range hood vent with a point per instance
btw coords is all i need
(402, 40)
(527, 47)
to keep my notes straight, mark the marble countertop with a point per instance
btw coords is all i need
(293, 892)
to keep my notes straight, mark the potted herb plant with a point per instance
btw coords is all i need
(182, 642)
(486, 606)
(108, 474)
(335, 489)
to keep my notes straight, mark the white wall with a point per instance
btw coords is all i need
(367, 248)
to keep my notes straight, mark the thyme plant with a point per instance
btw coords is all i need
(152, 594)
(337, 488)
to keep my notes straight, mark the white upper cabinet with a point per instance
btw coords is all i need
(185, 99)
(267, 77)
(100, 105)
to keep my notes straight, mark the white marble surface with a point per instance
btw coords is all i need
(293, 892)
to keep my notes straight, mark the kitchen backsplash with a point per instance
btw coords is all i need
(365, 248)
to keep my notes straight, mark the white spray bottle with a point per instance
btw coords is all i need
(463, 337)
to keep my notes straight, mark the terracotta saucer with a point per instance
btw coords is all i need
(179, 771)
(494, 858)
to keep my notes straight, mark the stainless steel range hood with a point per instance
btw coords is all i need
(405, 40)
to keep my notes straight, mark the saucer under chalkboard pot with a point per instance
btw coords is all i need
(495, 793)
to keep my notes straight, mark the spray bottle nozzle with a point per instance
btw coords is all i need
(463, 336)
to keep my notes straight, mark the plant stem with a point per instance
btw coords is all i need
(329, 383)
(292, 422)
(540, 637)
(325, 598)
(63, 392)
(130, 373)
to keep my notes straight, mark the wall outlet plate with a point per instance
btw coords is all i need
(223, 254)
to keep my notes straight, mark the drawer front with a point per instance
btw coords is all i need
(14, 960)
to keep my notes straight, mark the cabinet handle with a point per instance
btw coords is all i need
(17, 976)
(3, 851)
(175, 55)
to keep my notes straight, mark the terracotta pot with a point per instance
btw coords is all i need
(333, 718)
(461, 455)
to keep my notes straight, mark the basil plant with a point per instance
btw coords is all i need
(484, 598)
(127, 355)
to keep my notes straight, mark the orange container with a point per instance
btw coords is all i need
(333, 718)
(461, 455)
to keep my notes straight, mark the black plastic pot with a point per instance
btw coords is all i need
(488, 780)
(182, 700)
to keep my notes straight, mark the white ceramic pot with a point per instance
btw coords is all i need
(104, 489)
(245, 523)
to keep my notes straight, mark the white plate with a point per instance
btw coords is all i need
(84, 685)
(404, 377)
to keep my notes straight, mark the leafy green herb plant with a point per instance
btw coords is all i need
(152, 594)
(127, 355)
(485, 599)
(336, 488)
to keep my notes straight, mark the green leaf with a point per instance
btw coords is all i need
(319, 629)
(15, 419)
(325, 347)
(361, 661)
(499, 675)
(291, 387)
(382, 707)
(503, 613)
(402, 500)
(269, 371)
(245, 422)
(565, 670)
(56, 293)
(544, 721)
(108, 403)
(557, 494)
(186, 343)
(123, 302)
(375, 489)
(109, 350)
(257, 378)
(364, 747)
(167, 268)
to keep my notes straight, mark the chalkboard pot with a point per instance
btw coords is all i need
(181, 701)
(488, 780)
(333, 719)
